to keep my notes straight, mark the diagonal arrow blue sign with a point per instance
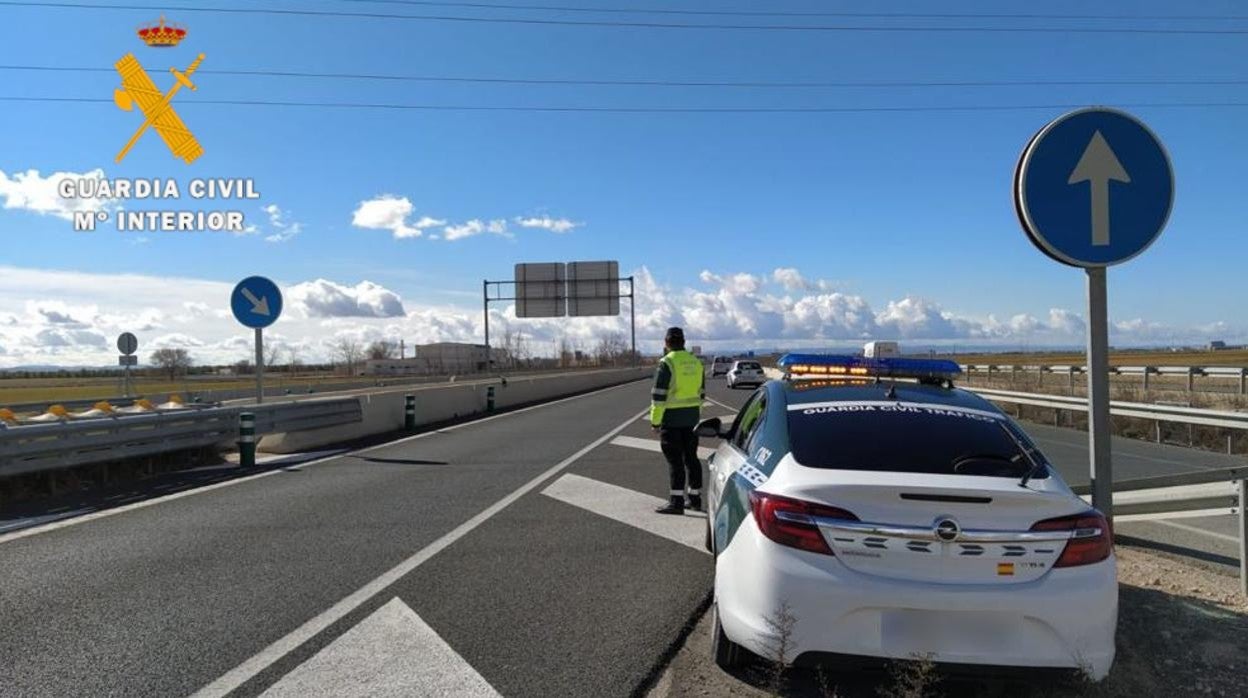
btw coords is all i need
(256, 302)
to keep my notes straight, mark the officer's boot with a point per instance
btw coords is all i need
(675, 506)
(695, 502)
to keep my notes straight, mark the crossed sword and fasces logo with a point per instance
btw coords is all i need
(137, 86)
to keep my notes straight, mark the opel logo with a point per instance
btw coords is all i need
(947, 530)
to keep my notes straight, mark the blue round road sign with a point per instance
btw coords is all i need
(256, 302)
(1094, 188)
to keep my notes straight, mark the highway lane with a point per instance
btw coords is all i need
(165, 599)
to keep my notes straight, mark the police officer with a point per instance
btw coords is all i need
(675, 408)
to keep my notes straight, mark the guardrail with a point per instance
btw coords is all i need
(32, 448)
(1159, 413)
(1190, 373)
(1210, 493)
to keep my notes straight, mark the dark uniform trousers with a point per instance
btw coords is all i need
(680, 447)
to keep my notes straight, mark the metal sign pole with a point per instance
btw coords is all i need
(632, 319)
(1099, 429)
(485, 307)
(259, 365)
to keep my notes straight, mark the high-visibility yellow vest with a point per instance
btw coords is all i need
(685, 389)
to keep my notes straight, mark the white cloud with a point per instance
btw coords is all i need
(327, 299)
(389, 212)
(283, 228)
(30, 192)
(176, 340)
(71, 318)
(476, 226)
(792, 280)
(555, 225)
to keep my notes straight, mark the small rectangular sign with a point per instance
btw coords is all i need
(540, 290)
(125, 360)
(593, 288)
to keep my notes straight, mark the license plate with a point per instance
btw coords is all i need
(910, 631)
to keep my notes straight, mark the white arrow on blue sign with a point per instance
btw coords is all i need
(1094, 188)
(256, 302)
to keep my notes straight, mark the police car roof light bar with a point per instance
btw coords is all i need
(831, 365)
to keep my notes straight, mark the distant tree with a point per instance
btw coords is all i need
(611, 349)
(272, 354)
(242, 367)
(348, 352)
(293, 360)
(382, 349)
(566, 352)
(172, 362)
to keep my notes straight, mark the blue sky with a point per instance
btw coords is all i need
(882, 207)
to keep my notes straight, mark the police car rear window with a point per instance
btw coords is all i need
(908, 437)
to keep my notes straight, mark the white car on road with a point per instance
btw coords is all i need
(896, 516)
(746, 373)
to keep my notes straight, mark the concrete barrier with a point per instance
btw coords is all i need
(383, 411)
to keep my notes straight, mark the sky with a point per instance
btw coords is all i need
(891, 219)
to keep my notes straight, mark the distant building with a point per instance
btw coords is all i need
(440, 358)
(1217, 345)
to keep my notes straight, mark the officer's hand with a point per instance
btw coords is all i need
(654, 427)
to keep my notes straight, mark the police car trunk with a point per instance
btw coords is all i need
(922, 482)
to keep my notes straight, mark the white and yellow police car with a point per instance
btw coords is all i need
(897, 516)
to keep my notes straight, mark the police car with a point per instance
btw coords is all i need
(897, 516)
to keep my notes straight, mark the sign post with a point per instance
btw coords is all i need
(127, 344)
(1094, 188)
(257, 303)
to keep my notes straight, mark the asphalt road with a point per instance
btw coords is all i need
(515, 555)
(247, 586)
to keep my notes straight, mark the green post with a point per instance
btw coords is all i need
(247, 440)
(489, 399)
(409, 413)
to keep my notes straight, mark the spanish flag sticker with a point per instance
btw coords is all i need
(1005, 569)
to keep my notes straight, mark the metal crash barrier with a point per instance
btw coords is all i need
(1210, 493)
(33, 448)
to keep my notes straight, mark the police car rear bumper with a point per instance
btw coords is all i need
(1066, 619)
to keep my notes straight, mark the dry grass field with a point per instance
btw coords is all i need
(51, 389)
(1234, 357)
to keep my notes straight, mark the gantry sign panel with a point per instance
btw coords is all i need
(540, 289)
(593, 288)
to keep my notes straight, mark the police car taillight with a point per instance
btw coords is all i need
(1091, 540)
(790, 522)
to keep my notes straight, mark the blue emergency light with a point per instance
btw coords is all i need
(833, 365)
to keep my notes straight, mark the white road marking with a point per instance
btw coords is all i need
(250, 668)
(391, 653)
(629, 507)
(653, 445)
(1194, 529)
(65, 523)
